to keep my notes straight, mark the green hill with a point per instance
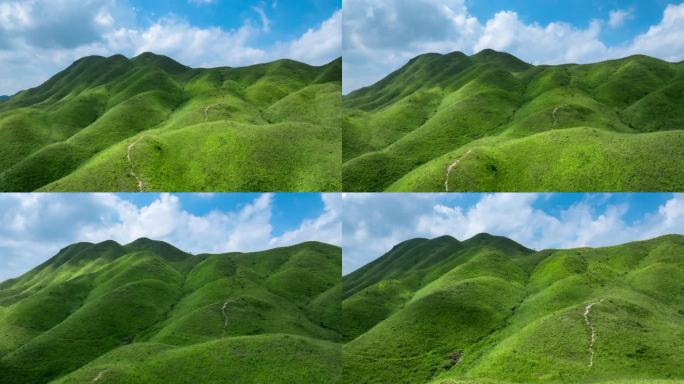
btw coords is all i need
(490, 122)
(147, 312)
(152, 124)
(488, 310)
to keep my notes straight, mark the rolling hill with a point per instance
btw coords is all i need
(152, 124)
(147, 312)
(491, 122)
(488, 310)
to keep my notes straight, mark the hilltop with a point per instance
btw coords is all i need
(491, 122)
(152, 124)
(147, 312)
(489, 310)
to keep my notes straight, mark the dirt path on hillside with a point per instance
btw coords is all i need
(206, 111)
(99, 376)
(452, 166)
(224, 311)
(587, 320)
(555, 121)
(141, 185)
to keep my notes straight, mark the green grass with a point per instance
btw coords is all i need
(268, 127)
(148, 312)
(403, 133)
(488, 310)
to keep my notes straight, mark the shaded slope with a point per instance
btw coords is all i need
(101, 307)
(500, 316)
(440, 105)
(73, 132)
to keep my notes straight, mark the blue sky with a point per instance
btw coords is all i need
(37, 225)
(382, 35)
(288, 19)
(373, 223)
(41, 37)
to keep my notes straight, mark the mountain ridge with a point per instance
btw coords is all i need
(495, 316)
(142, 313)
(487, 118)
(150, 123)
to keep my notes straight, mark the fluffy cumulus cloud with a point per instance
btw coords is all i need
(372, 224)
(322, 42)
(382, 35)
(40, 37)
(38, 225)
(664, 40)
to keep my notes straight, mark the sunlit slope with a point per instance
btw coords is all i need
(128, 313)
(422, 119)
(487, 310)
(149, 123)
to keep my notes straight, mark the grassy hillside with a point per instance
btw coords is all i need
(147, 312)
(488, 310)
(152, 124)
(490, 122)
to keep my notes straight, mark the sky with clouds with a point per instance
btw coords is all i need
(37, 225)
(38, 38)
(373, 223)
(379, 36)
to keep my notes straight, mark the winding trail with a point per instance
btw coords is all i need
(206, 111)
(587, 312)
(555, 121)
(452, 166)
(141, 185)
(225, 316)
(99, 376)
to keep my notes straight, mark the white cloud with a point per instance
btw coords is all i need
(38, 38)
(326, 228)
(664, 40)
(554, 43)
(382, 35)
(38, 225)
(317, 45)
(617, 18)
(374, 224)
(265, 21)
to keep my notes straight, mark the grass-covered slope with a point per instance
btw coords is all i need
(150, 124)
(490, 122)
(147, 312)
(487, 310)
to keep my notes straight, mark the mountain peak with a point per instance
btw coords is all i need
(164, 62)
(483, 236)
(445, 238)
(160, 248)
(487, 239)
(509, 61)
